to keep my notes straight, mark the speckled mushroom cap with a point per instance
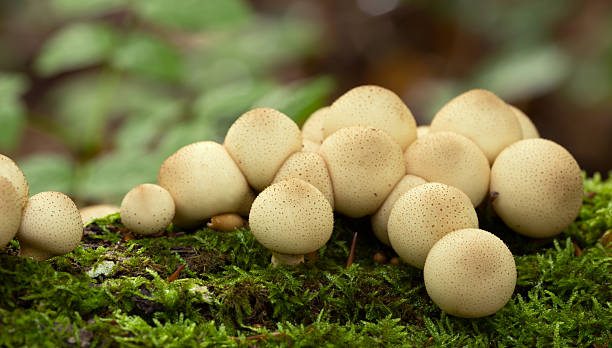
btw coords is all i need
(310, 146)
(539, 186)
(10, 211)
(470, 273)
(51, 225)
(313, 127)
(483, 118)
(203, 181)
(11, 171)
(451, 159)
(528, 129)
(291, 217)
(364, 164)
(310, 167)
(422, 130)
(380, 219)
(423, 215)
(147, 209)
(97, 211)
(372, 106)
(260, 141)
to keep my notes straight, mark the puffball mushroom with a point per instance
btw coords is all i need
(203, 181)
(11, 171)
(310, 167)
(313, 127)
(10, 211)
(470, 273)
(260, 141)
(372, 106)
(451, 159)
(310, 146)
(97, 211)
(51, 225)
(528, 129)
(226, 222)
(422, 130)
(539, 187)
(147, 209)
(380, 219)
(483, 118)
(364, 164)
(423, 215)
(291, 218)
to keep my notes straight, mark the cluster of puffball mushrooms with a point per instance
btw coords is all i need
(361, 156)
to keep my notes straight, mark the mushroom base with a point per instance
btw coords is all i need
(37, 254)
(286, 259)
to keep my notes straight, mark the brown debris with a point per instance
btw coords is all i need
(380, 258)
(351, 256)
(176, 273)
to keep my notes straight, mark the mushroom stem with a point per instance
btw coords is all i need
(38, 254)
(286, 259)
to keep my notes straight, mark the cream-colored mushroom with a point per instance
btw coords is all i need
(423, 215)
(372, 106)
(380, 219)
(203, 181)
(310, 146)
(422, 130)
(470, 273)
(483, 118)
(538, 186)
(147, 209)
(364, 164)
(528, 129)
(10, 211)
(226, 222)
(291, 218)
(51, 225)
(11, 171)
(451, 159)
(260, 141)
(313, 127)
(97, 211)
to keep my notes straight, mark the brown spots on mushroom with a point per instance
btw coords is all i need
(312, 130)
(147, 209)
(10, 211)
(11, 171)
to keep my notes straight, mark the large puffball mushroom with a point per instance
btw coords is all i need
(451, 159)
(10, 211)
(313, 127)
(97, 211)
(372, 106)
(422, 130)
(291, 218)
(528, 129)
(203, 181)
(147, 209)
(310, 167)
(11, 171)
(260, 141)
(364, 164)
(470, 273)
(51, 225)
(310, 146)
(423, 215)
(380, 219)
(482, 117)
(539, 187)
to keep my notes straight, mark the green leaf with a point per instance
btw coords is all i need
(186, 133)
(48, 172)
(71, 8)
(231, 100)
(12, 112)
(75, 46)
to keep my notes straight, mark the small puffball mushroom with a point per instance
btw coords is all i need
(422, 130)
(11, 171)
(528, 129)
(226, 222)
(470, 273)
(51, 225)
(310, 146)
(260, 141)
(147, 209)
(483, 118)
(310, 167)
(291, 218)
(372, 106)
(97, 211)
(539, 187)
(451, 159)
(381, 218)
(10, 211)
(203, 181)
(313, 127)
(364, 164)
(423, 215)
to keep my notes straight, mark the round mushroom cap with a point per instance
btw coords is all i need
(310, 146)
(470, 273)
(11, 171)
(364, 164)
(51, 225)
(422, 130)
(539, 186)
(372, 106)
(147, 209)
(483, 118)
(291, 217)
(380, 219)
(203, 181)
(451, 159)
(310, 167)
(97, 211)
(528, 129)
(423, 215)
(313, 127)
(10, 211)
(260, 141)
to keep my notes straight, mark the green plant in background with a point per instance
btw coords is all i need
(133, 81)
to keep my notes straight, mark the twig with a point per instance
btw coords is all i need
(176, 273)
(351, 255)
(577, 249)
